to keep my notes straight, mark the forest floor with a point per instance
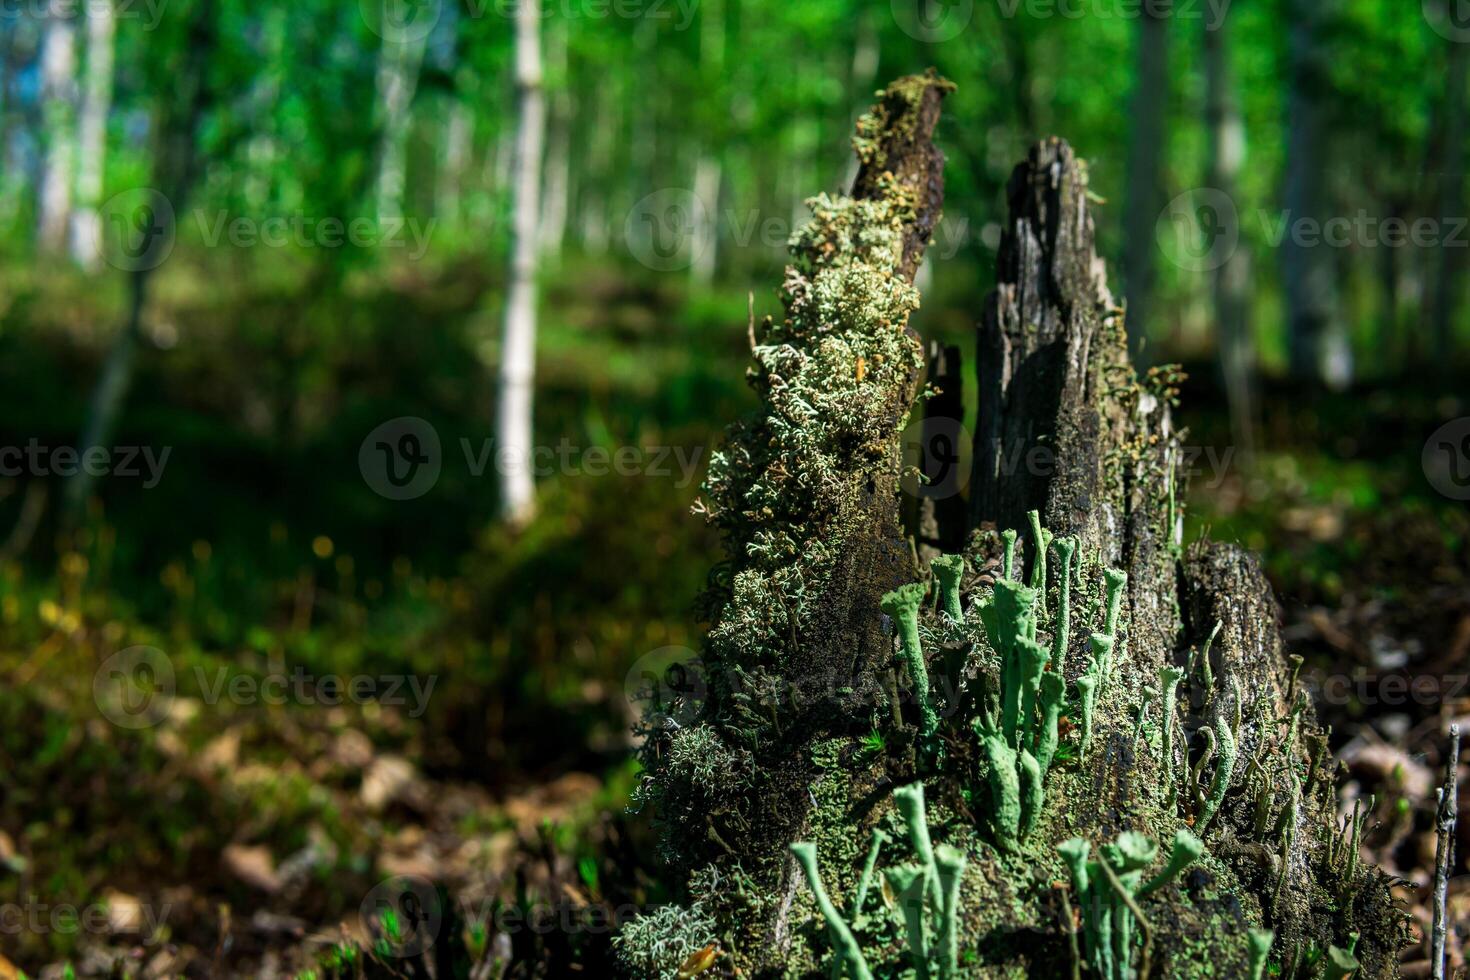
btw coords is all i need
(241, 834)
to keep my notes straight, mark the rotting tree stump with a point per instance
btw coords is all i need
(811, 712)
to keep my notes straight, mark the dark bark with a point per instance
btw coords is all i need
(1054, 378)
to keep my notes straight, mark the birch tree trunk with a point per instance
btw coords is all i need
(518, 344)
(1145, 154)
(558, 150)
(92, 133)
(58, 109)
(1317, 335)
(1232, 278)
(459, 135)
(399, 61)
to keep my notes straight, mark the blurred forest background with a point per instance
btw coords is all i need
(242, 237)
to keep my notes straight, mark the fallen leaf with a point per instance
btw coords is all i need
(253, 865)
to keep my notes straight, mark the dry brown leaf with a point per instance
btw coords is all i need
(253, 865)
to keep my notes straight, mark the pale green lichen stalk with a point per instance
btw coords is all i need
(849, 951)
(948, 571)
(1169, 678)
(1259, 946)
(910, 800)
(1225, 748)
(951, 873)
(903, 605)
(1066, 550)
(1186, 850)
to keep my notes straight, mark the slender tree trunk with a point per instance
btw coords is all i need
(459, 135)
(1451, 204)
(558, 146)
(862, 74)
(1231, 285)
(10, 57)
(1145, 156)
(176, 163)
(1317, 335)
(92, 133)
(597, 172)
(518, 346)
(58, 108)
(399, 61)
(707, 178)
(708, 171)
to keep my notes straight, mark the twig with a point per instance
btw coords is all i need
(1067, 914)
(1444, 854)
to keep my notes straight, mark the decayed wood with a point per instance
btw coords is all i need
(1055, 432)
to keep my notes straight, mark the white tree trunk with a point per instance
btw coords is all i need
(518, 345)
(459, 137)
(558, 145)
(58, 108)
(707, 175)
(558, 183)
(92, 133)
(399, 61)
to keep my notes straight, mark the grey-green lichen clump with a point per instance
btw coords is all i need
(966, 767)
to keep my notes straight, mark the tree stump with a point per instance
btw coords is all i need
(955, 774)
